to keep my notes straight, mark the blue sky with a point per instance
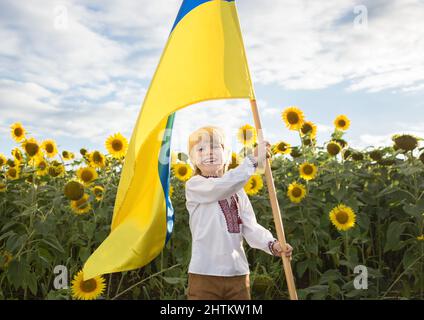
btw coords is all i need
(77, 71)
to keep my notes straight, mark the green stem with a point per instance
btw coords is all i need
(400, 276)
(140, 282)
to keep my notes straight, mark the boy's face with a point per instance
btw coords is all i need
(209, 155)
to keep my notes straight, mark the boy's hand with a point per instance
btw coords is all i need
(262, 151)
(279, 250)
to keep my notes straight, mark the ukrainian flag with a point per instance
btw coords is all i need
(204, 59)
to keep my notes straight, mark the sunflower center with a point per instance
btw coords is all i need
(74, 190)
(49, 148)
(333, 149)
(247, 134)
(253, 184)
(31, 148)
(12, 172)
(182, 171)
(308, 169)
(117, 145)
(306, 128)
(296, 192)
(86, 175)
(97, 191)
(88, 285)
(342, 123)
(342, 217)
(97, 157)
(282, 146)
(18, 132)
(42, 165)
(292, 117)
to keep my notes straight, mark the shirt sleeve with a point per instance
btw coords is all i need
(204, 190)
(256, 235)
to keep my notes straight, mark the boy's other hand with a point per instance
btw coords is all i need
(279, 250)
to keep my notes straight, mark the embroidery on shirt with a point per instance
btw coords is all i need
(231, 214)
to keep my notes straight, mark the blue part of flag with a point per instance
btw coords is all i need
(187, 6)
(165, 173)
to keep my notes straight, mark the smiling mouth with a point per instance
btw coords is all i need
(209, 161)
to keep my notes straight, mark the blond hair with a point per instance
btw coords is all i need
(207, 133)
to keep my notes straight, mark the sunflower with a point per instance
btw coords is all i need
(376, 155)
(31, 147)
(56, 169)
(296, 192)
(171, 190)
(18, 132)
(405, 142)
(247, 135)
(50, 148)
(17, 154)
(342, 122)
(308, 171)
(309, 128)
(98, 192)
(117, 145)
(281, 148)
(82, 205)
(89, 289)
(182, 171)
(343, 143)
(334, 148)
(12, 163)
(3, 187)
(235, 160)
(97, 159)
(420, 238)
(3, 160)
(357, 156)
(42, 167)
(295, 152)
(293, 117)
(346, 154)
(13, 173)
(74, 190)
(87, 175)
(253, 185)
(342, 217)
(67, 155)
(83, 151)
(7, 258)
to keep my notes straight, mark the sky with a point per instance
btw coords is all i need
(77, 71)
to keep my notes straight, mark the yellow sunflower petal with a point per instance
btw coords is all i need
(253, 185)
(308, 171)
(89, 289)
(293, 118)
(182, 171)
(342, 122)
(117, 145)
(247, 135)
(17, 132)
(342, 217)
(296, 192)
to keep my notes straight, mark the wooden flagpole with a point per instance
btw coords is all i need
(275, 207)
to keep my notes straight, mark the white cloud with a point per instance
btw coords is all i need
(312, 45)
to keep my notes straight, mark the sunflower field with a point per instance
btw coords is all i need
(341, 208)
